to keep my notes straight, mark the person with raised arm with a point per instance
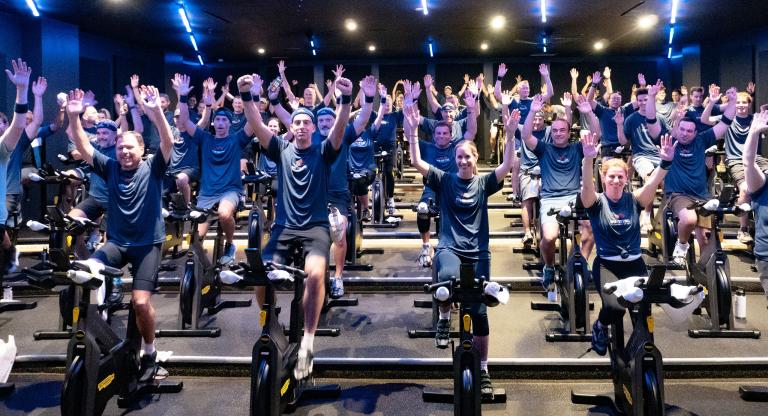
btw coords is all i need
(755, 176)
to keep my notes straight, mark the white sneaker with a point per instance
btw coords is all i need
(425, 258)
(304, 363)
(680, 253)
(742, 236)
(391, 206)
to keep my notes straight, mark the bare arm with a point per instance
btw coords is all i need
(342, 115)
(38, 90)
(434, 106)
(714, 97)
(280, 112)
(527, 134)
(574, 82)
(567, 101)
(544, 71)
(586, 110)
(368, 88)
(619, 119)
(497, 86)
(589, 148)
(152, 104)
(76, 132)
(647, 193)
(730, 112)
(330, 96)
(180, 84)
(608, 84)
(411, 118)
(754, 177)
(20, 78)
(511, 123)
(593, 88)
(654, 130)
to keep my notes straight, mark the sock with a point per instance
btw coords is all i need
(308, 342)
(149, 348)
(445, 315)
(484, 365)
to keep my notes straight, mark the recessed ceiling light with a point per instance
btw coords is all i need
(261, 51)
(372, 48)
(484, 46)
(647, 21)
(350, 24)
(599, 45)
(498, 22)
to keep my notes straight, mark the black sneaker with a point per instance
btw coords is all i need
(599, 339)
(148, 367)
(486, 387)
(443, 333)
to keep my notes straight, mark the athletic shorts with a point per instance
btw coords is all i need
(644, 165)
(676, 202)
(609, 150)
(736, 168)
(13, 204)
(92, 208)
(556, 203)
(341, 201)
(144, 261)
(206, 202)
(529, 187)
(359, 187)
(316, 242)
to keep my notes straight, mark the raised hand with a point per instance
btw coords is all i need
(470, 99)
(589, 78)
(329, 84)
(75, 102)
(339, 71)
(538, 103)
(129, 98)
(681, 109)
(574, 73)
(506, 98)
(343, 84)
(589, 145)
(583, 104)
(416, 90)
(502, 70)
(759, 122)
(118, 100)
(229, 79)
(731, 94)
(751, 88)
(714, 93)
(134, 81)
(257, 85)
(151, 96)
(20, 75)
(667, 148)
(245, 82)
(369, 86)
(641, 80)
(481, 77)
(519, 79)
(180, 83)
(512, 120)
(544, 70)
(410, 119)
(382, 90)
(567, 100)
(281, 67)
(466, 79)
(655, 88)
(427, 81)
(89, 98)
(209, 87)
(618, 118)
(596, 77)
(607, 73)
(39, 86)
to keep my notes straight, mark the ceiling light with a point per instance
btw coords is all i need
(543, 11)
(669, 53)
(33, 7)
(599, 45)
(647, 21)
(673, 17)
(184, 18)
(200, 59)
(671, 34)
(424, 7)
(498, 22)
(350, 24)
(431, 51)
(484, 46)
(261, 51)
(314, 52)
(372, 48)
(192, 39)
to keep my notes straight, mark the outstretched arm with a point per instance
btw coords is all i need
(497, 86)
(76, 132)
(20, 78)
(511, 122)
(589, 147)
(434, 106)
(180, 84)
(647, 193)
(151, 98)
(410, 130)
(470, 99)
(38, 90)
(754, 177)
(654, 127)
(342, 115)
(729, 112)
(255, 123)
(368, 88)
(544, 71)
(527, 134)
(586, 110)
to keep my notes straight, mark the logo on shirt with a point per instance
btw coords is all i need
(441, 160)
(685, 153)
(218, 150)
(298, 165)
(464, 199)
(360, 142)
(563, 159)
(619, 219)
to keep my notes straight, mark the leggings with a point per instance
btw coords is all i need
(606, 271)
(447, 264)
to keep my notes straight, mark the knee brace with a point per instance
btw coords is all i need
(422, 217)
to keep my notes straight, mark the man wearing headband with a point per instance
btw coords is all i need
(458, 128)
(220, 180)
(303, 168)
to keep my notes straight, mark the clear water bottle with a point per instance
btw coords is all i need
(740, 303)
(7, 293)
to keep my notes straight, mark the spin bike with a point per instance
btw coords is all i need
(99, 363)
(571, 279)
(466, 290)
(637, 367)
(200, 286)
(713, 271)
(274, 389)
(260, 219)
(9, 304)
(379, 201)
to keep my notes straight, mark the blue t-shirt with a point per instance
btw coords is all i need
(302, 177)
(184, 154)
(220, 165)
(97, 189)
(695, 114)
(736, 136)
(5, 155)
(237, 123)
(760, 208)
(385, 137)
(616, 225)
(151, 136)
(607, 125)
(443, 159)
(13, 170)
(464, 211)
(560, 168)
(267, 165)
(528, 159)
(134, 207)
(636, 132)
(337, 182)
(361, 153)
(688, 173)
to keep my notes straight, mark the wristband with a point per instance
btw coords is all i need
(723, 119)
(346, 99)
(383, 100)
(368, 99)
(595, 85)
(276, 101)
(133, 107)
(665, 164)
(183, 98)
(499, 79)
(651, 120)
(208, 105)
(246, 96)
(21, 108)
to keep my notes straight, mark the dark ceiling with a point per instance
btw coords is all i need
(233, 30)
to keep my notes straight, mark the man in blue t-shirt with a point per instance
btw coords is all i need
(609, 122)
(697, 110)
(303, 168)
(686, 182)
(220, 180)
(383, 131)
(530, 171)
(755, 178)
(560, 181)
(136, 230)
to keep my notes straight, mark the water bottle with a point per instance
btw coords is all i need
(552, 295)
(740, 304)
(7, 293)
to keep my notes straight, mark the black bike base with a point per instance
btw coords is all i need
(44, 335)
(360, 267)
(553, 306)
(428, 333)
(754, 393)
(15, 305)
(6, 389)
(320, 332)
(226, 304)
(724, 333)
(326, 391)
(189, 333)
(341, 302)
(151, 388)
(438, 395)
(422, 303)
(557, 336)
(608, 402)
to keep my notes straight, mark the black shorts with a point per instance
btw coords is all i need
(316, 241)
(341, 202)
(144, 262)
(359, 186)
(92, 208)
